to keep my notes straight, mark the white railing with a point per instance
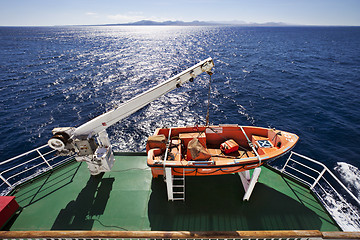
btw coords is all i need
(17, 170)
(322, 181)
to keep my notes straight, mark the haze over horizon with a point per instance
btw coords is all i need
(93, 12)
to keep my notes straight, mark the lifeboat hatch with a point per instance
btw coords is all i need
(264, 143)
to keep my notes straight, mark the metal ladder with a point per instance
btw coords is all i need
(179, 187)
(175, 185)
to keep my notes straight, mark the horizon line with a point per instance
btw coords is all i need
(170, 23)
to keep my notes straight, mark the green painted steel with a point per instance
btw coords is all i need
(128, 198)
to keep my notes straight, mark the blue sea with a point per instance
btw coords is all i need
(304, 80)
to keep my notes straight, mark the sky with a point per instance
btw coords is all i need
(90, 12)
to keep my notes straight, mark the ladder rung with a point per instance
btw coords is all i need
(179, 199)
(178, 178)
(179, 186)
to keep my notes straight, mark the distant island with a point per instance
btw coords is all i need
(165, 23)
(196, 23)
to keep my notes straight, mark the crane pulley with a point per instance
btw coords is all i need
(90, 142)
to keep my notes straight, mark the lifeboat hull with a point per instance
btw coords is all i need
(268, 144)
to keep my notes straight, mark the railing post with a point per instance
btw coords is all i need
(291, 153)
(318, 178)
(5, 181)
(44, 158)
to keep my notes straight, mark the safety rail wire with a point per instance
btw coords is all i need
(318, 181)
(28, 165)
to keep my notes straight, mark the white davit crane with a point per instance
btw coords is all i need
(98, 153)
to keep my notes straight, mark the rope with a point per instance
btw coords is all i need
(208, 106)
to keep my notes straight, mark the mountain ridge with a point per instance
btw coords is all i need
(195, 23)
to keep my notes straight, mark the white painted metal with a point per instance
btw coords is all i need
(314, 170)
(5, 181)
(103, 139)
(44, 158)
(318, 178)
(251, 145)
(249, 183)
(26, 166)
(102, 161)
(24, 154)
(245, 178)
(179, 187)
(80, 140)
(324, 185)
(167, 148)
(175, 185)
(169, 184)
(107, 119)
(59, 144)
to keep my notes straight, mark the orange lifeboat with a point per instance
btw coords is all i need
(215, 150)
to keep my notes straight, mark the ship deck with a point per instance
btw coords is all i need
(128, 198)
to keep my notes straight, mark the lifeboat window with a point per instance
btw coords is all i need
(264, 143)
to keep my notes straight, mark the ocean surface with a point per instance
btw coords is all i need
(304, 80)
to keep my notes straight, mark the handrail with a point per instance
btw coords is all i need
(303, 234)
(27, 165)
(325, 169)
(23, 154)
(299, 174)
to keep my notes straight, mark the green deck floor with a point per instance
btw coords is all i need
(127, 198)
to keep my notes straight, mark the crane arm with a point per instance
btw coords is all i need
(98, 153)
(111, 117)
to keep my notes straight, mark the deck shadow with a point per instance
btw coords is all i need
(308, 200)
(91, 201)
(46, 185)
(214, 203)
